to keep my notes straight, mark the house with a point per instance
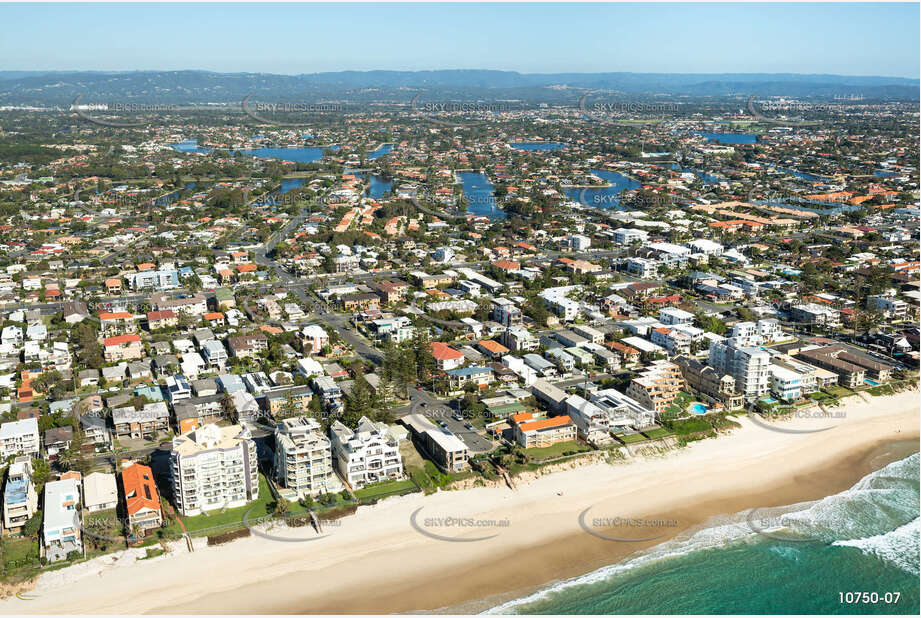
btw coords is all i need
(214, 468)
(99, 492)
(493, 349)
(166, 318)
(458, 378)
(142, 500)
(303, 459)
(57, 440)
(287, 402)
(369, 454)
(197, 412)
(20, 501)
(315, 338)
(74, 311)
(446, 357)
(123, 347)
(248, 346)
(447, 450)
(61, 529)
(95, 432)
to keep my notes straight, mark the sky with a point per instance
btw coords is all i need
(839, 38)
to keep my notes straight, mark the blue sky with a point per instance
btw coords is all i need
(846, 39)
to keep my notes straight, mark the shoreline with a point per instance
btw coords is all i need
(396, 569)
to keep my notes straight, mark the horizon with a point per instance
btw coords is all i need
(854, 39)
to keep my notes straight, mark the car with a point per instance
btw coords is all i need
(468, 426)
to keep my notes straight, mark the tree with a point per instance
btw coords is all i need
(358, 403)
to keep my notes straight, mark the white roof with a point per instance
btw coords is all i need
(17, 428)
(99, 489)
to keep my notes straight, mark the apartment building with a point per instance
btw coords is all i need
(123, 348)
(194, 304)
(536, 433)
(19, 438)
(710, 382)
(519, 339)
(628, 236)
(505, 312)
(656, 386)
(303, 459)
(142, 500)
(852, 370)
(214, 468)
(368, 454)
(20, 500)
(888, 305)
(61, 529)
(129, 422)
(248, 346)
(756, 333)
(153, 280)
(747, 364)
(287, 401)
(812, 313)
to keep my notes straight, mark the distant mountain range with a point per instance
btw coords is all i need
(61, 87)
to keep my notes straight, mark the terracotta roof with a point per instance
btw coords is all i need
(110, 341)
(547, 423)
(442, 351)
(140, 489)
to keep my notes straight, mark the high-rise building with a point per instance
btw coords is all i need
(214, 468)
(303, 460)
(750, 366)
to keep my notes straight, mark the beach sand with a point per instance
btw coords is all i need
(375, 562)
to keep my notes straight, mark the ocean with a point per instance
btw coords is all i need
(796, 559)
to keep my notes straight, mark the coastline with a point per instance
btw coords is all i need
(374, 562)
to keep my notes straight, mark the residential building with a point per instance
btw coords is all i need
(656, 386)
(150, 420)
(142, 500)
(123, 347)
(369, 454)
(543, 432)
(20, 501)
(748, 365)
(61, 529)
(710, 382)
(19, 438)
(303, 459)
(446, 357)
(99, 492)
(505, 312)
(214, 468)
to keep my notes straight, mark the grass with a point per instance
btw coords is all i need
(555, 450)
(657, 433)
(385, 488)
(838, 391)
(689, 426)
(630, 438)
(233, 517)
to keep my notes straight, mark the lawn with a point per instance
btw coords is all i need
(838, 391)
(555, 450)
(630, 438)
(658, 432)
(385, 488)
(18, 552)
(258, 508)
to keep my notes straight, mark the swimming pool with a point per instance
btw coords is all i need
(698, 408)
(871, 382)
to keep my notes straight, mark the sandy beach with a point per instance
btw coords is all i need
(376, 562)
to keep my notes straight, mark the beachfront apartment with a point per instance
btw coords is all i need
(710, 383)
(19, 438)
(61, 527)
(142, 500)
(214, 468)
(303, 458)
(20, 500)
(368, 454)
(748, 365)
(543, 432)
(656, 386)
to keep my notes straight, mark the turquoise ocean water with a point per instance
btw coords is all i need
(787, 560)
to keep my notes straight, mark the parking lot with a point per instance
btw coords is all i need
(440, 413)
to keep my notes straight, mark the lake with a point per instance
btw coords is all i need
(603, 197)
(382, 150)
(479, 194)
(379, 186)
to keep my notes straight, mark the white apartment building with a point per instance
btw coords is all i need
(750, 366)
(643, 268)
(579, 242)
(20, 501)
(505, 312)
(61, 527)
(19, 438)
(757, 333)
(889, 305)
(367, 455)
(303, 458)
(628, 236)
(214, 468)
(811, 313)
(672, 316)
